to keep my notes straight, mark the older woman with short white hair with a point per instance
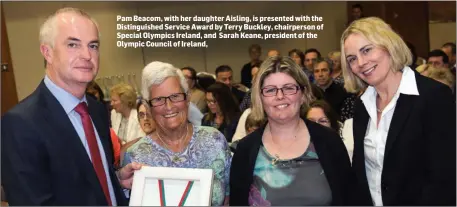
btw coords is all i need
(176, 142)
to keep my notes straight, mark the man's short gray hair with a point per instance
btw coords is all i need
(156, 72)
(48, 30)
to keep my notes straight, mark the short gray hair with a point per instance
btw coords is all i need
(156, 72)
(48, 30)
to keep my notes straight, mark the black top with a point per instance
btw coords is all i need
(246, 75)
(239, 95)
(329, 147)
(419, 159)
(335, 95)
(228, 130)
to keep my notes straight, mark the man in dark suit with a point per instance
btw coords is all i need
(224, 74)
(56, 146)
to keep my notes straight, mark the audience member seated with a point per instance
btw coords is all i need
(272, 53)
(246, 102)
(337, 74)
(255, 51)
(299, 57)
(197, 96)
(124, 117)
(224, 74)
(334, 94)
(224, 112)
(146, 122)
(204, 80)
(438, 59)
(176, 142)
(449, 49)
(248, 125)
(322, 113)
(311, 56)
(442, 75)
(283, 162)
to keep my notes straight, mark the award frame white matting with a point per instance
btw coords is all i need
(165, 186)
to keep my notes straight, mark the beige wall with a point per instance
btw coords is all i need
(441, 33)
(24, 18)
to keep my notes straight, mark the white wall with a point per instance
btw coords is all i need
(23, 20)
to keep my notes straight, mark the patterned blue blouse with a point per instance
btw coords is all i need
(207, 149)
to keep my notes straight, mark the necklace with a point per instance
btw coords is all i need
(275, 160)
(175, 157)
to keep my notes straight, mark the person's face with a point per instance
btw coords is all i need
(336, 63)
(296, 58)
(356, 13)
(436, 61)
(74, 59)
(189, 78)
(310, 58)
(448, 51)
(170, 115)
(116, 103)
(281, 108)
(146, 122)
(317, 115)
(225, 77)
(212, 103)
(272, 53)
(254, 54)
(254, 71)
(368, 62)
(322, 74)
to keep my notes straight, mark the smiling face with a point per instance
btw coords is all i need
(368, 62)
(281, 108)
(74, 58)
(169, 116)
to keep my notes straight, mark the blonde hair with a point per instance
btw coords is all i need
(334, 54)
(437, 73)
(381, 35)
(48, 30)
(273, 65)
(126, 93)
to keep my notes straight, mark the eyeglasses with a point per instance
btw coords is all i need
(143, 115)
(211, 101)
(286, 90)
(322, 121)
(161, 100)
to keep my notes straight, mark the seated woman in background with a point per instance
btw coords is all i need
(289, 160)
(176, 142)
(124, 117)
(146, 122)
(197, 95)
(224, 112)
(320, 112)
(442, 75)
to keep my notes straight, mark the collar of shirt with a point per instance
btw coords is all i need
(66, 99)
(325, 87)
(407, 86)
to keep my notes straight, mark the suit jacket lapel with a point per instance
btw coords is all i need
(401, 114)
(55, 115)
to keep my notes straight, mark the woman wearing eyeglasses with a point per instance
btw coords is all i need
(322, 113)
(289, 160)
(224, 111)
(176, 142)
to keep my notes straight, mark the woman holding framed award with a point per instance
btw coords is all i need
(289, 160)
(176, 143)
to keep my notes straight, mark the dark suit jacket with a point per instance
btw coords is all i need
(419, 160)
(329, 147)
(335, 95)
(43, 159)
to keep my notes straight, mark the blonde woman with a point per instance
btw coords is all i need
(403, 125)
(124, 118)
